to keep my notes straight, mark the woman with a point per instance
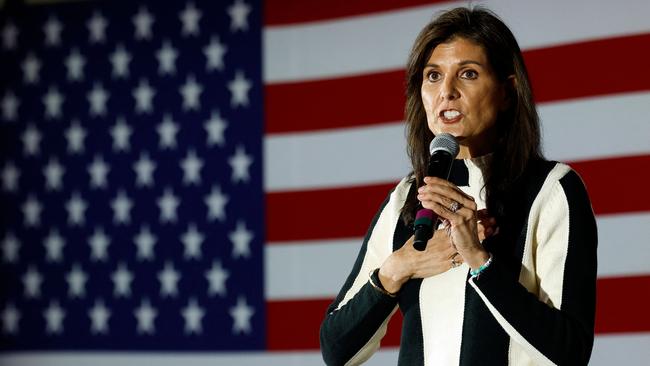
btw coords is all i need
(510, 277)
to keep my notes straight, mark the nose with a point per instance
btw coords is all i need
(448, 90)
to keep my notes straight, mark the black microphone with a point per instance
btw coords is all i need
(444, 149)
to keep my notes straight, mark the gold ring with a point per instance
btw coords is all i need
(455, 264)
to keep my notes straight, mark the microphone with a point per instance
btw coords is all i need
(444, 149)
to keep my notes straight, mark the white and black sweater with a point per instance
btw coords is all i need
(535, 305)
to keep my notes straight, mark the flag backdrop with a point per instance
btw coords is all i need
(190, 181)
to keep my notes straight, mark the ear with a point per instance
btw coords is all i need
(509, 89)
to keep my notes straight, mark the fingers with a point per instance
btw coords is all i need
(446, 194)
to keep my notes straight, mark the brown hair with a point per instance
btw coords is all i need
(517, 128)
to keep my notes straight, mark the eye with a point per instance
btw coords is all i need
(433, 75)
(469, 74)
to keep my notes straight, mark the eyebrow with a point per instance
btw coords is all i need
(462, 63)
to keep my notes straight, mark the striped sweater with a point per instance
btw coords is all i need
(535, 305)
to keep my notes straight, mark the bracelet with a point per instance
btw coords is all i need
(477, 272)
(378, 287)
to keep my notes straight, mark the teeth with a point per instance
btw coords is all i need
(451, 114)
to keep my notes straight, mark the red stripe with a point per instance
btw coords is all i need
(620, 308)
(347, 212)
(327, 213)
(606, 178)
(281, 12)
(623, 305)
(557, 73)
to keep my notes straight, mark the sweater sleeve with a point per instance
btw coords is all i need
(553, 323)
(357, 320)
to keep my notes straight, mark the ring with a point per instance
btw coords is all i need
(455, 264)
(455, 206)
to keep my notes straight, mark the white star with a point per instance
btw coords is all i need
(76, 279)
(193, 315)
(168, 280)
(144, 169)
(190, 17)
(214, 53)
(122, 279)
(143, 95)
(9, 106)
(143, 22)
(75, 63)
(53, 101)
(167, 131)
(9, 35)
(76, 208)
(215, 127)
(240, 163)
(168, 204)
(32, 210)
(97, 27)
(121, 133)
(145, 241)
(31, 67)
(32, 281)
(97, 99)
(53, 172)
(10, 319)
(121, 205)
(191, 92)
(167, 59)
(241, 315)
(239, 16)
(54, 244)
(120, 59)
(52, 29)
(99, 315)
(10, 176)
(192, 240)
(191, 166)
(75, 135)
(239, 88)
(216, 202)
(10, 248)
(54, 316)
(98, 171)
(217, 277)
(241, 239)
(99, 242)
(31, 139)
(146, 315)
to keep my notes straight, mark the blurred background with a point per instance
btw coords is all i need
(190, 181)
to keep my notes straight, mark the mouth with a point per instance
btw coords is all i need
(449, 116)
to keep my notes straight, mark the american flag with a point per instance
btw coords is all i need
(198, 175)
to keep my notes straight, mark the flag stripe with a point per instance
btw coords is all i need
(379, 97)
(616, 311)
(381, 41)
(373, 154)
(282, 12)
(287, 262)
(340, 212)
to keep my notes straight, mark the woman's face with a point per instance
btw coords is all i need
(462, 95)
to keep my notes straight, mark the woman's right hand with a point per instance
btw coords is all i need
(408, 262)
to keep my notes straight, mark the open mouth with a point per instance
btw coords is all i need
(450, 116)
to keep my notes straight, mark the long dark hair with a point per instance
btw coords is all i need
(517, 128)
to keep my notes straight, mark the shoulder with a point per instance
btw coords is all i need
(560, 181)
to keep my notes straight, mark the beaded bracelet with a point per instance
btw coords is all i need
(477, 272)
(375, 273)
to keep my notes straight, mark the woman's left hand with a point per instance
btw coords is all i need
(459, 209)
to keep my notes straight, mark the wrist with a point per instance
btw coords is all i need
(390, 283)
(477, 258)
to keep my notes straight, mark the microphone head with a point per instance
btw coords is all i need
(445, 142)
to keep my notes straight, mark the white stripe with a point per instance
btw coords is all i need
(317, 269)
(388, 357)
(608, 350)
(577, 130)
(378, 42)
